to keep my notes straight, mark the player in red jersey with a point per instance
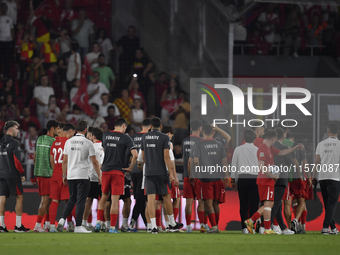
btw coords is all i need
(58, 190)
(266, 180)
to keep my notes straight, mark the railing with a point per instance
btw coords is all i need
(277, 46)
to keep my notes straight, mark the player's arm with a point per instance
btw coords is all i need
(96, 167)
(52, 161)
(306, 170)
(222, 132)
(189, 163)
(168, 163)
(64, 167)
(133, 161)
(290, 150)
(16, 156)
(226, 174)
(266, 172)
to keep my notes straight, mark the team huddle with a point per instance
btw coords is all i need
(77, 168)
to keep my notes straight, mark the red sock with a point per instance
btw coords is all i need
(303, 217)
(212, 219)
(275, 222)
(294, 209)
(201, 216)
(266, 224)
(176, 211)
(206, 219)
(69, 218)
(46, 217)
(113, 218)
(39, 219)
(188, 219)
(217, 216)
(255, 216)
(158, 218)
(89, 219)
(100, 215)
(73, 213)
(53, 212)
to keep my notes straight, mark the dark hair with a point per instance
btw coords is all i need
(62, 126)
(43, 75)
(98, 133)
(195, 124)
(131, 26)
(177, 88)
(110, 107)
(95, 106)
(52, 124)
(11, 123)
(31, 124)
(96, 72)
(90, 129)
(95, 44)
(104, 94)
(82, 125)
(73, 82)
(289, 135)
(99, 31)
(333, 128)
(156, 122)
(69, 126)
(162, 73)
(101, 55)
(207, 129)
(249, 136)
(120, 122)
(146, 122)
(76, 108)
(280, 133)
(75, 45)
(258, 124)
(168, 129)
(270, 134)
(51, 96)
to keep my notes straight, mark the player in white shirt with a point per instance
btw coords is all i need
(76, 164)
(95, 187)
(327, 160)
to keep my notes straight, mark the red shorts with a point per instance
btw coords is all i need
(59, 191)
(113, 182)
(197, 187)
(286, 195)
(298, 189)
(212, 190)
(308, 191)
(188, 189)
(175, 193)
(266, 193)
(44, 186)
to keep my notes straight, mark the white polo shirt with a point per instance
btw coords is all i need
(6, 24)
(244, 160)
(96, 98)
(79, 149)
(329, 151)
(100, 157)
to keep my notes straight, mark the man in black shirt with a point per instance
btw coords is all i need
(11, 175)
(155, 152)
(115, 144)
(137, 179)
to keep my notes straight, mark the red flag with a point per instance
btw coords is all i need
(49, 8)
(87, 67)
(171, 105)
(82, 98)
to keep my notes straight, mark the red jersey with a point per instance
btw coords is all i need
(57, 150)
(257, 142)
(266, 154)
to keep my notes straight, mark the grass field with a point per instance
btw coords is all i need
(167, 243)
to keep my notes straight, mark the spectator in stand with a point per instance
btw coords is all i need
(105, 45)
(67, 16)
(19, 36)
(111, 117)
(103, 107)
(76, 115)
(41, 96)
(141, 67)
(36, 70)
(168, 95)
(308, 10)
(63, 66)
(124, 104)
(92, 57)
(74, 90)
(329, 35)
(181, 116)
(13, 8)
(53, 111)
(6, 38)
(127, 46)
(83, 32)
(292, 33)
(29, 145)
(137, 115)
(74, 65)
(314, 34)
(106, 75)
(95, 120)
(269, 21)
(261, 47)
(26, 118)
(104, 127)
(54, 79)
(328, 8)
(10, 110)
(135, 93)
(131, 131)
(50, 52)
(8, 89)
(95, 88)
(64, 41)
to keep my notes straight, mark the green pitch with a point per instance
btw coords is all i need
(167, 243)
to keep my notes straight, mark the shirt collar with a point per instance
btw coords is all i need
(80, 135)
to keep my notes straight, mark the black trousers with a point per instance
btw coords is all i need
(279, 190)
(79, 190)
(248, 196)
(5, 57)
(330, 194)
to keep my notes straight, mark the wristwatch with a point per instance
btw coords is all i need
(63, 175)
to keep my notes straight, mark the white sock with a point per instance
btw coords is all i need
(202, 225)
(251, 220)
(2, 221)
(18, 221)
(132, 224)
(37, 225)
(149, 225)
(47, 224)
(69, 223)
(172, 220)
(84, 223)
(214, 227)
(125, 223)
(167, 223)
(304, 226)
(153, 223)
(108, 224)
